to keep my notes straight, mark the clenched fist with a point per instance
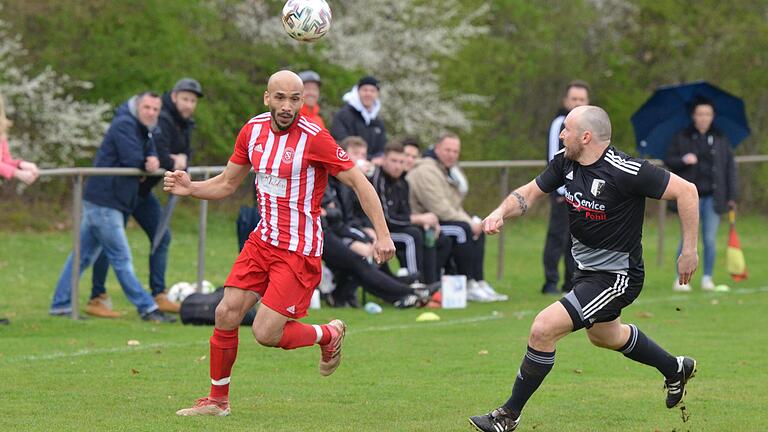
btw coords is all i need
(177, 183)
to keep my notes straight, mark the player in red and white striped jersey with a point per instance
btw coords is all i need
(280, 263)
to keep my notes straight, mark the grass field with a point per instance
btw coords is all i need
(397, 374)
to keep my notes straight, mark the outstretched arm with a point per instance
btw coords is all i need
(516, 204)
(384, 249)
(688, 208)
(221, 186)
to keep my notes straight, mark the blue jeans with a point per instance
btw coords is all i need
(710, 221)
(102, 228)
(147, 213)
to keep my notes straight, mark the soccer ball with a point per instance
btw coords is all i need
(306, 20)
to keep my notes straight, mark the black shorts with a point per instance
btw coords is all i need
(599, 296)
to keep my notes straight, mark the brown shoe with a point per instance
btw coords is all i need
(101, 306)
(166, 305)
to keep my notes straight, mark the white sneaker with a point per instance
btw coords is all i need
(491, 292)
(707, 284)
(678, 287)
(477, 294)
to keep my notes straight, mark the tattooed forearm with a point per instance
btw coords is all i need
(521, 202)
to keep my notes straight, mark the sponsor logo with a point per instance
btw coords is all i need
(341, 154)
(597, 187)
(291, 309)
(592, 210)
(569, 176)
(259, 148)
(288, 155)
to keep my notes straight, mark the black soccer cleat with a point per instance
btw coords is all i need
(686, 370)
(498, 420)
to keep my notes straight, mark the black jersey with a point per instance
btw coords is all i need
(607, 206)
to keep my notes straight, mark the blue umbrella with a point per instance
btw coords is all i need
(668, 111)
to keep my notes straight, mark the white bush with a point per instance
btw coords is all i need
(398, 41)
(51, 127)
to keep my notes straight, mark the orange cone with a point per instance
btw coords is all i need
(734, 256)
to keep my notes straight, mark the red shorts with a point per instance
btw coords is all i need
(285, 280)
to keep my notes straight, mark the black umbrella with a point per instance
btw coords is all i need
(668, 111)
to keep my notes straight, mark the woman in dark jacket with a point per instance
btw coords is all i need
(702, 155)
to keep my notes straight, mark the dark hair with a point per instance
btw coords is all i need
(149, 93)
(352, 141)
(412, 141)
(577, 84)
(701, 100)
(393, 146)
(445, 135)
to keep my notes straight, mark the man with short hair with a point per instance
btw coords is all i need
(311, 108)
(558, 240)
(606, 191)
(360, 117)
(412, 151)
(280, 264)
(172, 143)
(108, 199)
(414, 234)
(434, 190)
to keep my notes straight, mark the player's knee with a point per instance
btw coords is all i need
(265, 337)
(542, 332)
(226, 315)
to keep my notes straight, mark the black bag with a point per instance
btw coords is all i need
(200, 309)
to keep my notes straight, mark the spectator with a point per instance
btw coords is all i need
(352, 269)
(107, 201)
(311, 107)
(172, 143)
(412, 151)
(360, 117)
(433, 190)
(10, 168)
(702, 155)
(558, 242)
(414, 234)
(358, 226)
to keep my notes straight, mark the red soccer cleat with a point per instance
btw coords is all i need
(331, 352)
(206, 407)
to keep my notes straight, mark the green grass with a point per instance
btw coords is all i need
(397, 374)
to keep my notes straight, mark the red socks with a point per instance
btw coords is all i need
(223, 355)
(297, 335)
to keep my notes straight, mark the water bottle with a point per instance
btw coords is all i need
(429, 237)
(372, 308)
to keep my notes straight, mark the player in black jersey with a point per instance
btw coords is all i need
(606, 191)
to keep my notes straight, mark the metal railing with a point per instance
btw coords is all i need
(79, 174)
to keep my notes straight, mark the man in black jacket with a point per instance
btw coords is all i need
(414, 234)
(558, 241)
(172, 142)
(360, 117)
(703, 156)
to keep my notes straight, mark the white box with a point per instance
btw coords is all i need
(454, 291)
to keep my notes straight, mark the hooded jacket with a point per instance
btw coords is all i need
(126, 145)
(433, 190)
(354, 120)
(172, 136)
(721, 171)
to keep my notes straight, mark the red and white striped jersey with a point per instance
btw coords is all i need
(292, 169)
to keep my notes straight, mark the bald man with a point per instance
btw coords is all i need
(280, 262)
(606, 191)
